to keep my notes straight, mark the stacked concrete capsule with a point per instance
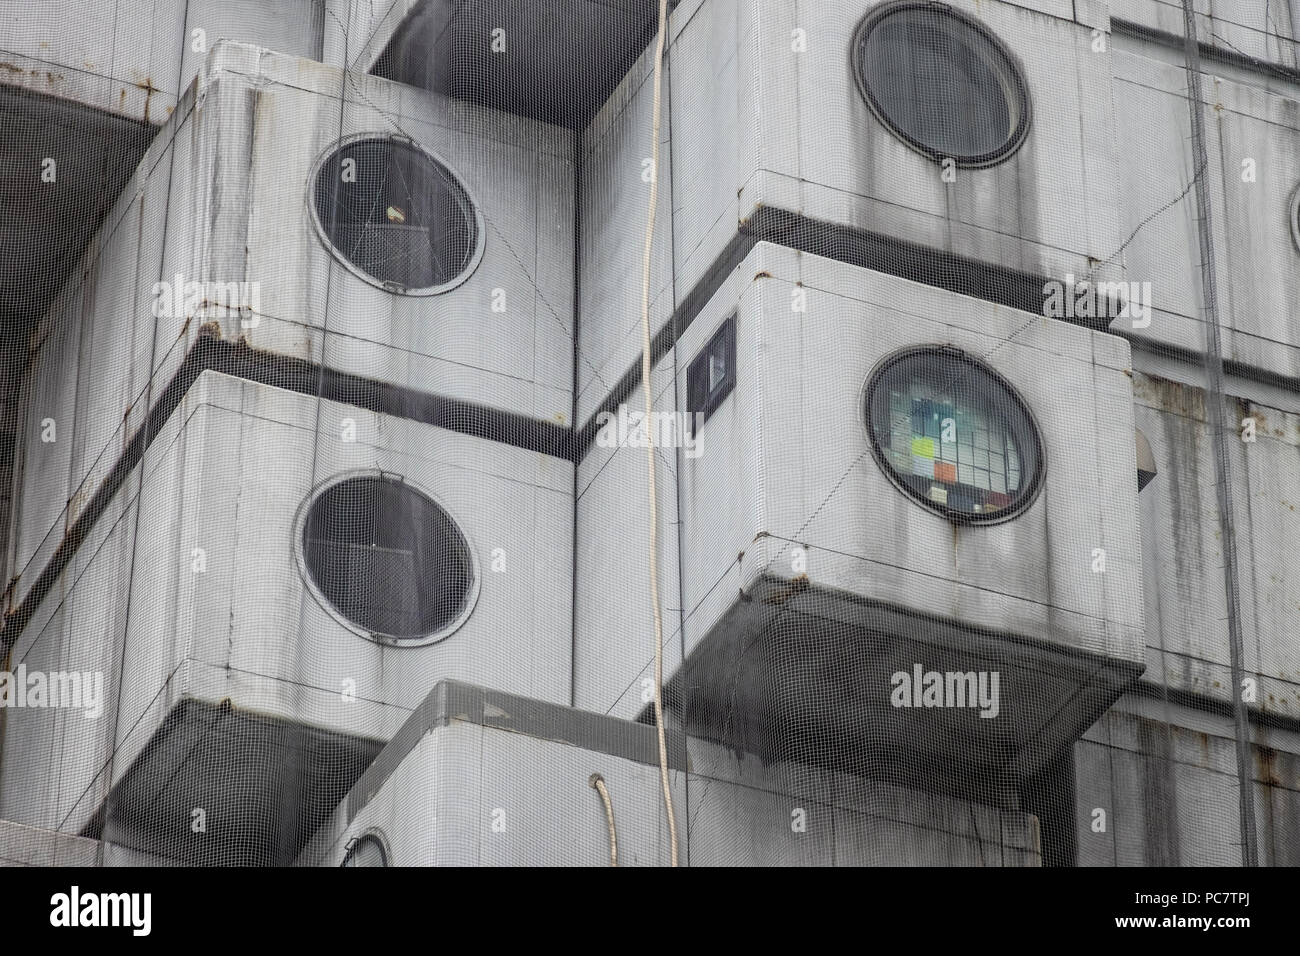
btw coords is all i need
(798, 579)
(940, 564)
(195, 462)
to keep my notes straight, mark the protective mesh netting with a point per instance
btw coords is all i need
(326, 449)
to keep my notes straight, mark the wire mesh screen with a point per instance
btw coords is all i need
(717, 432)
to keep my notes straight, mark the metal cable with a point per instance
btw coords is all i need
(1216, 420)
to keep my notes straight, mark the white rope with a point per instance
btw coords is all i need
(597, 783)
(649, 427)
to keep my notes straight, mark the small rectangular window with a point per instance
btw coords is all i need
(712, 374)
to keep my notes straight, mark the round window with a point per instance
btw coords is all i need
(368, 850)
(941, 82)
(397, 216)
(387, 560)
(953, 434)
(1293, 216)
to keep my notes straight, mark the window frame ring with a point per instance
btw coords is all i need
(1017, 91)
(387, 285)
(1023, 503)
(309, 581)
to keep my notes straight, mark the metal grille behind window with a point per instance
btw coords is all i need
(387, 558)
(396, 214)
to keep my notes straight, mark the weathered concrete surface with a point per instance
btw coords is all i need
(200, 550)
(32, 846)
(554, 61)
(1156, 785)
(1186, 607)
(485, 779)
(755, 122)
(1253, 141)
(1264, 30)
(136, 57)
(224, 195)
(83, 84)
(784, 463)
(47, 224)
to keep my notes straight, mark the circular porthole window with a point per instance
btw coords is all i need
(953, 434)
(367, 850)
(396, 216)
(386, 560)
(1293, 216)
(941, 82)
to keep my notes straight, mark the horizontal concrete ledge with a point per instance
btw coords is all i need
(840, 243)
(299, 375)
(452, 701)
(1209, 705)
(820, 644)
(1209, 51)
(21, 845)
(889, 256)
(242, 767)
(141, 102)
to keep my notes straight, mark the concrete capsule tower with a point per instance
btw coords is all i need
(386, 383)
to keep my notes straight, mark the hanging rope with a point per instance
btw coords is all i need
(653, 544)
(597, 783)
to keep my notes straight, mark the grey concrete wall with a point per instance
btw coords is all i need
(1263, 29)
(785, 461)
(53, 759)
(357, 33)
(613, 215)
(227, 475)
(613, 655)
(224, 195)
(474, 796)
(136, 57)
(1252, 131)
(557, 61)
(798, 411)
(749, 123)
(1157, 786)
(1186, 607)
(31, 846)
(95, 351)
(468, 793)
(520, 175)
(755, 123)
(747, 812)
(759, 124)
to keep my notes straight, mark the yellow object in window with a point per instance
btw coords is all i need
(923, 447)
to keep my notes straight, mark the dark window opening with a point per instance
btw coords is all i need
(396, 214)
(942, 83)
(387, 558)
(712, 374)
